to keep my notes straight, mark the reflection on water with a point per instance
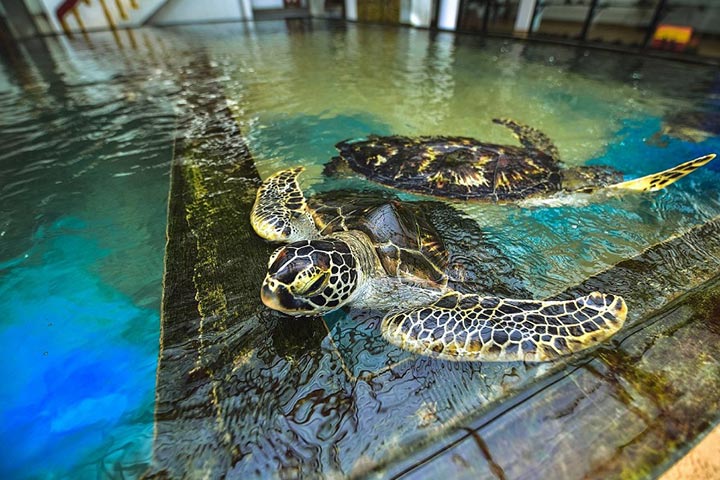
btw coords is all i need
(86, 148)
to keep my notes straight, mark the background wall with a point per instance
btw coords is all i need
(175, 11)
(626, 13)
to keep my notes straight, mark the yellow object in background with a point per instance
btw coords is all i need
(673, 33)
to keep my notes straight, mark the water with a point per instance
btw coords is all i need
(86, 147)
(85, 153)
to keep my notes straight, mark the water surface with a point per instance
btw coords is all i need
(86, 146)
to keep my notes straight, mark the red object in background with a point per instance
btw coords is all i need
(291, 3)
(64, 8)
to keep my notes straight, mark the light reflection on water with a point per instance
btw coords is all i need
(86, 150)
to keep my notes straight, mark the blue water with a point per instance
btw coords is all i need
(84, 164)
(75, 372)
(638, 157)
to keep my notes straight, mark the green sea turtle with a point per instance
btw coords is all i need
(687, 126)
(467, 169)
(388, 257)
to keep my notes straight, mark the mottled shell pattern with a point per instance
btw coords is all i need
(454, 167)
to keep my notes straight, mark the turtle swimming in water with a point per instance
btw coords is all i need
(467, 169)
(390, 258)
(687, 126)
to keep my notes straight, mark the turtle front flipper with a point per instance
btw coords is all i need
(530, 137)
(475, 328)
(660, 180)
(280, 213)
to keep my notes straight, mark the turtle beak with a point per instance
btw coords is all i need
(270, 297)
(276, 296)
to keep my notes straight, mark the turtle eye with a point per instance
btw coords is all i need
(313, 284)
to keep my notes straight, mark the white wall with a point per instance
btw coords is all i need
(448, 18)
(93, 17)
(420, 13)
(161, 12)
(351, 10)
(184, 11)
(265, 4)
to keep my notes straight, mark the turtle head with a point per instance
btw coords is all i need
(310, 277)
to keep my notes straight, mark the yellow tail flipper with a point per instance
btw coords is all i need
(660, 180)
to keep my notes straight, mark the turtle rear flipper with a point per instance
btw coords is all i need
(660, 180)
(530, 137)
(280, 213)
(471, 327)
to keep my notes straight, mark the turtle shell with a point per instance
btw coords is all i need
(455, 167)
(425, 241)
(406, 242)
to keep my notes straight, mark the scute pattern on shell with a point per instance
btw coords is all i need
(455, 167)
(405, 241)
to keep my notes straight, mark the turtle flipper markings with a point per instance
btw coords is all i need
(530, 137)
(280, 213)
(660, 180)
(471, 327)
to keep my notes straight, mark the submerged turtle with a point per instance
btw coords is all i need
(465, 168)
(687, 126)
(388, 257)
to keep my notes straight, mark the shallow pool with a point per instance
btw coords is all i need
(87, 141)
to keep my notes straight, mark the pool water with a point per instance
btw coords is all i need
(87, 142)
(86, 148)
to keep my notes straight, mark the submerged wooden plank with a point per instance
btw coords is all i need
(213, 323)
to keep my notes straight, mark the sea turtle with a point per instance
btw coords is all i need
(687, 126)
(389, 258)
(467, 169)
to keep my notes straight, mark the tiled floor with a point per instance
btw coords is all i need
(702, 462)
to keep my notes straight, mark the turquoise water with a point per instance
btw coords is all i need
(85, 149)
(82, 227)
(80, 376)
